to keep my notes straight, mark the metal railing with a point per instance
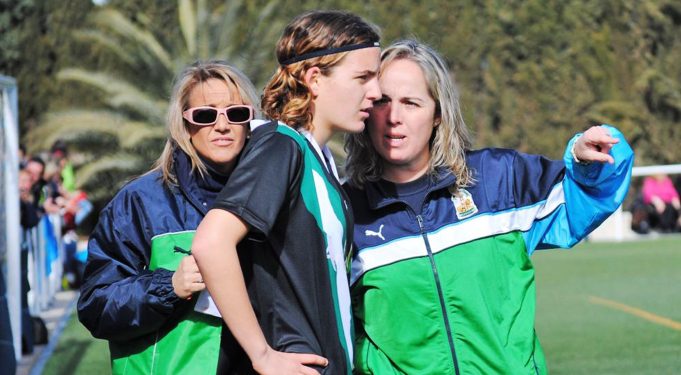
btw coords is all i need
(45, 269)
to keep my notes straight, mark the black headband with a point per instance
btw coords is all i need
(328, 51)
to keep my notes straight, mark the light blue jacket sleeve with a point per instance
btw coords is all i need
(588, 194)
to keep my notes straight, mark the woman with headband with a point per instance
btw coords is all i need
(285, 204)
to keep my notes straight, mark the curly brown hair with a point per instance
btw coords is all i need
(286, 98)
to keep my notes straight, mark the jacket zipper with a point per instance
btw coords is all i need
(439, 293)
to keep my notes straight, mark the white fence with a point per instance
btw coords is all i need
(45, 267)
(9, 204)
(45, 262)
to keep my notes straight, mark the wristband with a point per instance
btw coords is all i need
(572, 151)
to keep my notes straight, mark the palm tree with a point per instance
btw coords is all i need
(123, 136)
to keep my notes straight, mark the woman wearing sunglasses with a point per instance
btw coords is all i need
(140, 277)
(284, 199)
(442, 276)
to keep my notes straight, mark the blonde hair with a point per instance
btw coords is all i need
(286, 97)
(450, 138)
(178, 134)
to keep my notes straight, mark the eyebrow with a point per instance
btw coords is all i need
(404, 98)
(213, 105)
(412, 99)
(368, 72)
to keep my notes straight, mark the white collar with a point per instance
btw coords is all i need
(323, 152)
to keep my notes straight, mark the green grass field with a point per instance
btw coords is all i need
(581, 336)
(78, 352)
(602, 308)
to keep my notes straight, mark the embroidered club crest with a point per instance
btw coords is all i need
(463, 203)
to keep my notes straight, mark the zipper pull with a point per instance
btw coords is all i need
(420, 220)
(178, 249)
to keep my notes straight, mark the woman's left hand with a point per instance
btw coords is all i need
(594, 146)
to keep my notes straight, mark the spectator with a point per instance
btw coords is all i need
(29, 214)
(35, 167)
(60, 155)
(23, 158)
(76, 208)
(54, 192)
(662, 199)
(44, 192)
(640, 222)
(47, 200)
(29, 218)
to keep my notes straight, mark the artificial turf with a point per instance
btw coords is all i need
(611, 308)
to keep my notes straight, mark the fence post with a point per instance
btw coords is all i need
(10, 132)
(619, 224)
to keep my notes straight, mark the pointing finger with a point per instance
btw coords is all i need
(596, 156)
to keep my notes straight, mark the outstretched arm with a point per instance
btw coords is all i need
(598, 167)
(214, 248)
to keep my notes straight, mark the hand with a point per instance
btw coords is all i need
(51, 207)
(274, 362)
(676, 203)
(187, 279)
(659, 204)
(72, 206)
(594, 145)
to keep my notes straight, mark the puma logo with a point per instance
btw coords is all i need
(377, 234)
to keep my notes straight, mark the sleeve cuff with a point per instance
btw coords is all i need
(162, 287)
(603, 176)
(583, 173)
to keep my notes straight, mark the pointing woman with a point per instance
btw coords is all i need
(441, 276)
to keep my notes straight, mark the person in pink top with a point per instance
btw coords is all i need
(661, 196)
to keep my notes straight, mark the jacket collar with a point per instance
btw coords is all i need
(186, 180)
(378, 198)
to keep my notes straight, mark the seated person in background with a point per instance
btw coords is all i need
(663, 202)
(640, 221)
